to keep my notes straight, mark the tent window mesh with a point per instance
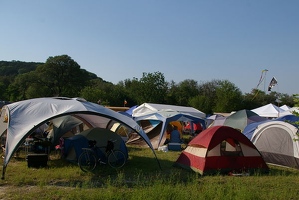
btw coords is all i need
(230, 147)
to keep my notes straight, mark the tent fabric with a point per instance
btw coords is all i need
(73, 147)
(24, 117)
(216, 120)
(292, 119)
(270, 110)
(129, 111)
(62, 125)
(153, 133)
(100, 135)
(212, 118)
(285, 107)
(240, 119)
(221, 149)
(166, 116)
(149, 108)
(290, 111)
(275, 141)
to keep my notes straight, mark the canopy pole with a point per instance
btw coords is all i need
(3, 172)
(157, 159)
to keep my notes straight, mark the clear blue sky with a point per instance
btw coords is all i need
(201, 40)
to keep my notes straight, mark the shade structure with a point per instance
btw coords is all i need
(20, 119)
(148, 108)
(270, 110)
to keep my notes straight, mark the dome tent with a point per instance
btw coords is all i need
(276, 142)
(221, 149)
(73, 149)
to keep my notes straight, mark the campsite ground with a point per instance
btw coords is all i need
(141, 178)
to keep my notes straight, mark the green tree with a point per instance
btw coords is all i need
(185, 90)
(229, 97)
(62, 76)
(18, 89)
(92, 94)
(206, 99)
(172, 94)
(130, 89)
(285, 99)
(152, 87)
(202, 103)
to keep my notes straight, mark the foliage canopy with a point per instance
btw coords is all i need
(63, 76)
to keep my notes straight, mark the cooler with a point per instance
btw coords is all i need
(174, 146)
(37, 160)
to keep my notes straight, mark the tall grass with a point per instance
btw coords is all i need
(141, 178)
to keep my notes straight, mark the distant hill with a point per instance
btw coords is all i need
(13, 68)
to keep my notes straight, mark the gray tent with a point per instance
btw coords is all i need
(275, 141)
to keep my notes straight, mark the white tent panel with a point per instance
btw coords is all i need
(148, 108)
(269, 110)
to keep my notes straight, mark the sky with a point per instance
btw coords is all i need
(201, 40)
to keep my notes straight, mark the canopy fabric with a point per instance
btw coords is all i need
(148, 108)
(215, 120)
(22, 118)
(270, 110)
(167, 116)
(61, 125)
(290, 111)
(285, 107)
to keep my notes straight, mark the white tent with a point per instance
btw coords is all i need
(270, 110)
(20, 119)
(285, 107)
(149, 108)
(166, 116)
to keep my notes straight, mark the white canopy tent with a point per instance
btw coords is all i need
(285, 107)
(20, 119)
(270, 110)
(148, 108)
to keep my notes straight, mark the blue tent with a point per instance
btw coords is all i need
(290, 119)
(128, 112)
(73, 147)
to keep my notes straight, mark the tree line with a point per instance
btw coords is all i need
(62, 76)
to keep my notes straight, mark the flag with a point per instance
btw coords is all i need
(272, 83)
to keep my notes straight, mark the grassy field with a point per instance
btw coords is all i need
(141, 178)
